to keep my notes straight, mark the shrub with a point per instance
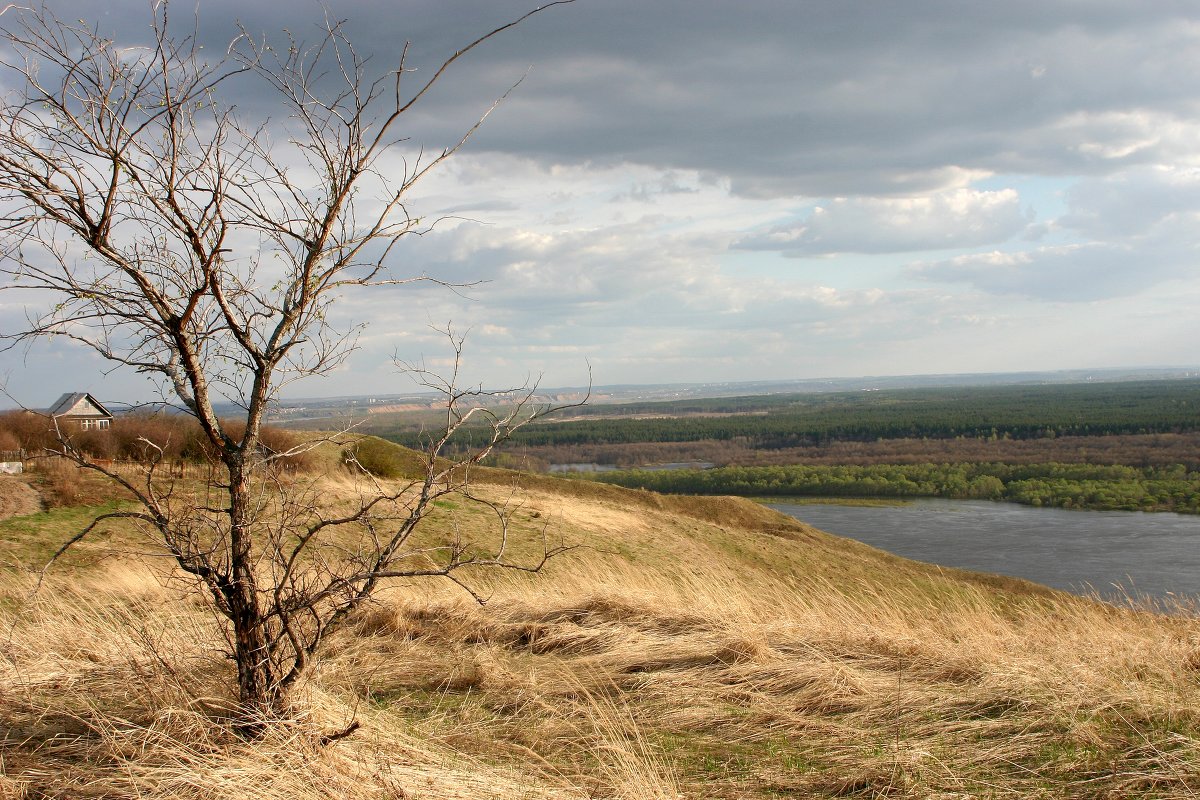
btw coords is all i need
(8, 441)
(140, 436)
(131, 432)
(59, 481)
(278, 440)
(381, 458)
(32, 432)
(273, 440)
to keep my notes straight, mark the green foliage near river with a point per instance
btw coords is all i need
(1058, 485)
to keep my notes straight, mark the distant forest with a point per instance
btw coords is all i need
(1128, 445)
(1016, 412)
(794, 420)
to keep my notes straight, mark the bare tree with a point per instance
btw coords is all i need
(169, 234)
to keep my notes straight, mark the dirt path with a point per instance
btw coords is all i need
(17, 497)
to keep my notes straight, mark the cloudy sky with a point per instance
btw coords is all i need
(693, 190)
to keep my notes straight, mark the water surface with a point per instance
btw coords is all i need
(1110, 552)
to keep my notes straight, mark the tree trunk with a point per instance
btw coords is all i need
(258, 690)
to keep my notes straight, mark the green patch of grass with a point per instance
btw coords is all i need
(425, 702)
(384, 459)
(704, 756)
(1067, 754)
(31, 540)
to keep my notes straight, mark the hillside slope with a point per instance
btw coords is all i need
(689, 647)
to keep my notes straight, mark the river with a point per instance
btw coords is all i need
(1111, 553)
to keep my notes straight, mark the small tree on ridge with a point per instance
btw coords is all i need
(169, 234)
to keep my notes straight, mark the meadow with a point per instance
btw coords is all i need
(690, 647)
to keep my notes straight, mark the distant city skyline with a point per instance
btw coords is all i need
(685, 192)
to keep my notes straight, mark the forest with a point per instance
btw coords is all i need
(1123, 445)
(780, 421)
(770, 422)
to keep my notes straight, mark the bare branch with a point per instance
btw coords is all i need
(179, 237)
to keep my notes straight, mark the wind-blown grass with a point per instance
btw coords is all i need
(713, 650)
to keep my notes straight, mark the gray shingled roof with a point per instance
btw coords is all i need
(70, 400)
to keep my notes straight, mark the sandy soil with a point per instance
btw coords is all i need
(17, 497)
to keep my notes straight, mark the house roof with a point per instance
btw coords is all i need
(79, 404)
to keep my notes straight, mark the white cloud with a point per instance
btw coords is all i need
(1061, 273)
(955, 219)
(1125, 234)
(1135, 203)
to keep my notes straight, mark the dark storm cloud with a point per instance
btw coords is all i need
(784, 98)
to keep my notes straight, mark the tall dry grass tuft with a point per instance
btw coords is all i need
(629, 766)
(747, 685)
(115, 687)
(60, 481)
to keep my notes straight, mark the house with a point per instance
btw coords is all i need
(80, 411)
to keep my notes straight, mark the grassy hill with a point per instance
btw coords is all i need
(689, 647)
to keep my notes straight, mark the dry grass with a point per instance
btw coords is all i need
(17, 497)
(761, 691)
(115, 687)
(701, 651)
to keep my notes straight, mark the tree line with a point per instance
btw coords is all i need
(1012, 412)
(1104, 487)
